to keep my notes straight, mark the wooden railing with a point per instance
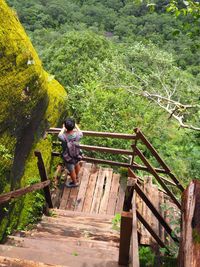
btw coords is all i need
(130, 213)
(189, 252)
(44, 184)
(134, 152)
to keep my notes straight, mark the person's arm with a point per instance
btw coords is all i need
(79, 133)
(61, 134)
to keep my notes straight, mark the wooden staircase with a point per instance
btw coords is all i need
(75, 235)
(67, 238)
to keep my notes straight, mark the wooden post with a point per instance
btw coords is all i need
(43, 176)
(189, 252)
(129, 194)
(125, 237)
(134, 244)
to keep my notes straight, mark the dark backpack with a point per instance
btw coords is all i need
(72, 152)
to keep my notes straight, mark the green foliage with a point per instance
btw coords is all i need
(146, 256)
(116, 222)
(76, 56)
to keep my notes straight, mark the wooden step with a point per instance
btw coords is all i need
(58, 257)
(14, 262)
(68, 246)
(56, 230)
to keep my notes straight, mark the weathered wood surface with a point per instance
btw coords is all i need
(22, 191)
(14, 262)
(112, 201)
(43, 176)
(125, 237)
(81, 192)
(155, 174)
(99, 192)
(189, 253)
(140, 135)
(153, 227)
(69, 238)
(90, 189)
(134, 238)
(98, 134)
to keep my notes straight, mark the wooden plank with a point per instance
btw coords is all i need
(15, 262)
(43, 176)
(189, 252)
(109, 162)
(71, 202)
(120, 200)
(98, 191)
(147, 214)
(122, 164)
(113, 194)
(154, 221)
(152, 208)
(134, 239)
(22, 191)
(155, 212)
(127, 206)
(90, 189)
(83, 186)
(65, 196)
(154, 173)
(98, 134)
(139, 206)
(125, 237)
(152, 149)
(157, 156)
(72, 199)
(107, 150)
(150, 229)
(106, 191)
(161, 230)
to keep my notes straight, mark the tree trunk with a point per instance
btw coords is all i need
(189, 252)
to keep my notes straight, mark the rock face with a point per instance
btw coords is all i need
(30, 101)
(22, 80)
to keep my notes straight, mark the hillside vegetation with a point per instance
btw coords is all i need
(114, 58)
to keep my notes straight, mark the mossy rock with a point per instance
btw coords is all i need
(31, 101)
(22, 79)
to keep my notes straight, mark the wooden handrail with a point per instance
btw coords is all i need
(144, 140)
(152, 207)
(152, 149)
(22, 191)
(150, 230)
(106, 149)
(98, 134)
(154, 173)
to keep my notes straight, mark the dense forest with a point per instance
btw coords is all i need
(124, 66)
(113, 65)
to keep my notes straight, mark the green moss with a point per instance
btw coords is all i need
(23, 84)
(57, 101)
(7, 146)
(33, 202)
(22, 79)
